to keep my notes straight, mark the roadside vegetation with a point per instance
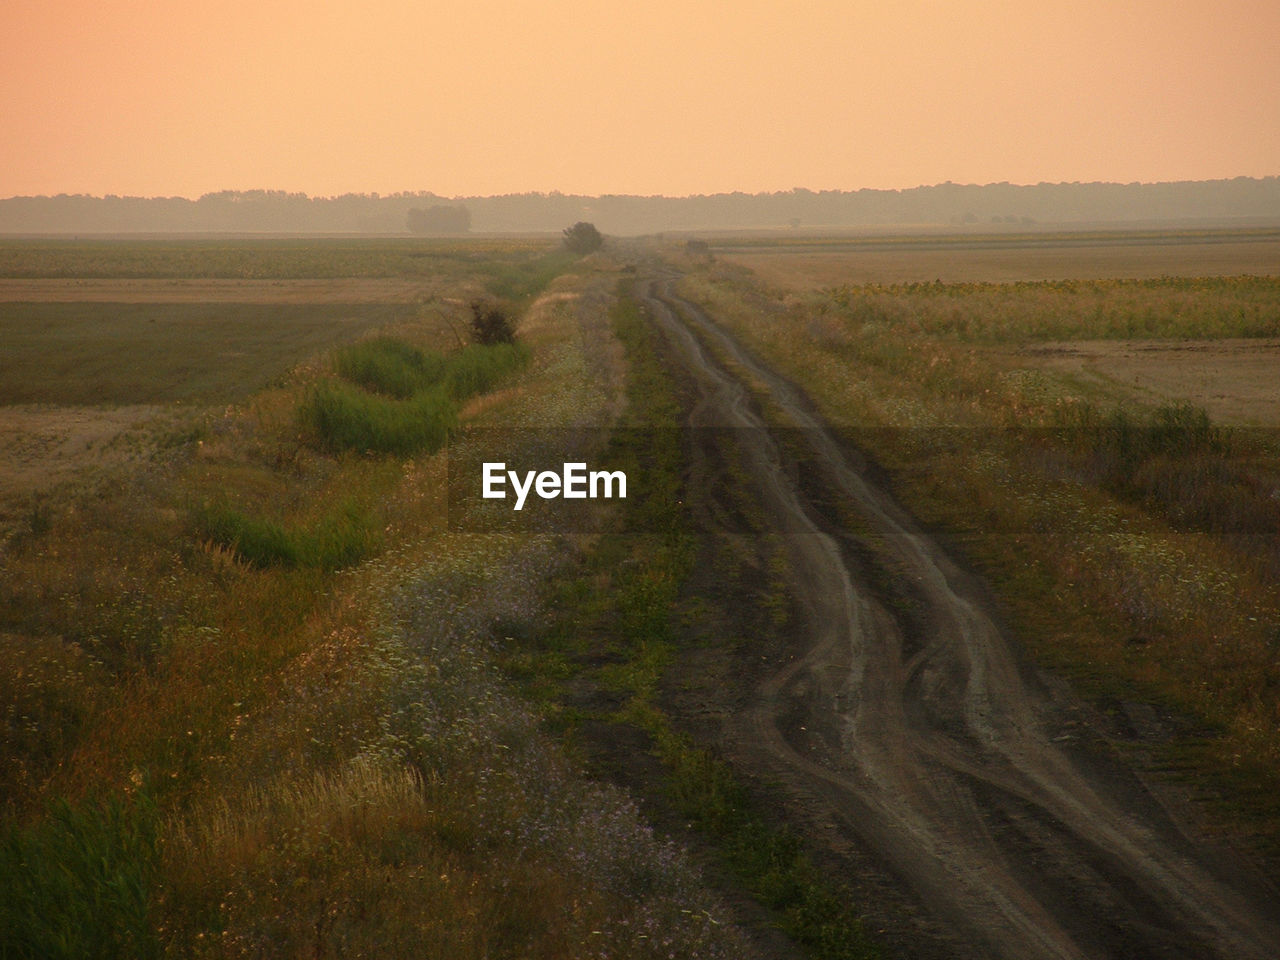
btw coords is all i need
(1130, 540)
(250, 691)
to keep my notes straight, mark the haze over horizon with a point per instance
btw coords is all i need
(145, 98)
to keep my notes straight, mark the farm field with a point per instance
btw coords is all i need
(1233, 379)
(266, 687)
(810, 262)
(1047, 434)
(242, 651)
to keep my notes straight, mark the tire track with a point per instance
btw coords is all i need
(941, 759)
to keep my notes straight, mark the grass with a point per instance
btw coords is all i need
(1200, 308)
(401, 400)
(80, 883)
(116, 353)
(389, 366)
(521, 280)
(343, 537)
(347, 418)
(333, 765)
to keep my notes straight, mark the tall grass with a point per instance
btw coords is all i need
(80, 883)
(348, 418)
(389, 366)
(401, 400)
(1175, 307)
(344, 536)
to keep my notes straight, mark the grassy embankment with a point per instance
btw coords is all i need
(1131, 542)
(631, 624)
(224, 736)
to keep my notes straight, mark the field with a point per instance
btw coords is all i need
(1068, 365)
(266, 693)
(798, 263)
(250, 703)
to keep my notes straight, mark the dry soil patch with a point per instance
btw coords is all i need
(42, 447)
(1236, 380)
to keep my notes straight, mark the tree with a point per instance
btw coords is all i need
(441, 218)
(583, 237)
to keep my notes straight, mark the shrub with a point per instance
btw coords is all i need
(490, 324)
(583, 238)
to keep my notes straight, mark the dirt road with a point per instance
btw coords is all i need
(934, 746)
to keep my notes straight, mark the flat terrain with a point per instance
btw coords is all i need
(181, 290)
(1236, 380)
(817, 263)
(95, 353)
(43, 446)
(904, 723)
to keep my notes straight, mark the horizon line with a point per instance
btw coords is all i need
(636, 196)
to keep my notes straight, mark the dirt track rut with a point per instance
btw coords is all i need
(946, 757)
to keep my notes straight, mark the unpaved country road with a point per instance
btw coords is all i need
(940, 753)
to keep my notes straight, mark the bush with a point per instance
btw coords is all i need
(583, 238)
(490, 324)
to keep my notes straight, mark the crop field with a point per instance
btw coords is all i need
(808, 262)
(250, 702)
(264, 693)
(92, 353)
(1134, 569)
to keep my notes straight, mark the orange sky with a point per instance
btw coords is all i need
(157, 97)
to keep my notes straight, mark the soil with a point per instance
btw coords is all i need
(44, 447)
(1235, 380)
(976, 805)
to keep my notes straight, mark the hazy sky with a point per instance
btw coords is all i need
(159, 97)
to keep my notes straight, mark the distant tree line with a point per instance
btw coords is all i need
(274, 211)
(439, 219)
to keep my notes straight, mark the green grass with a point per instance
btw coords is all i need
(91, 353)
(343, 417)
(414, 403)
(80, 883)
(343, 537)
(521, 280)
(389, 366)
